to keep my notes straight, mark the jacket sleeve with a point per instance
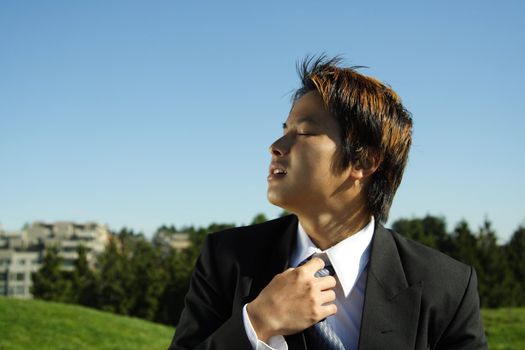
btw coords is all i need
(209, 320)
(465, 331)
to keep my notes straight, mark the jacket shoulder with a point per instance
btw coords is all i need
(438, 270)
(253, 234)
(244, 245)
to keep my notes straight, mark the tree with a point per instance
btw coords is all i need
(259, 219)
(148, 281)
(495, 280)
(83, 283)
(283, 213)
(430, 230)
(464, 245)
(515, 252)
(113, 280)
(161, 238)
(178, 267)
(436, 227)
(49, 282)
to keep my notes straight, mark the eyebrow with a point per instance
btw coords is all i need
(302, 120)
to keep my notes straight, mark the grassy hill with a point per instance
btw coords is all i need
(31, 324)
(35, 324)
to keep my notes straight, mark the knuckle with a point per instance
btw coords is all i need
(293, 275)
(302, 273)
(312, 303)
(317, 313)
(310, 284)
(315, 260)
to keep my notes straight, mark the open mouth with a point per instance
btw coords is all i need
(277, 171)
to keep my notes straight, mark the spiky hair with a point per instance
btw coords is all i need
(372, 119)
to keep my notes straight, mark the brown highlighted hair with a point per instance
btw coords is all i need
(372, 119)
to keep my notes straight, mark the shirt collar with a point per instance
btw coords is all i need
(348, 257)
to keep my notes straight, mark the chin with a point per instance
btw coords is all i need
(280, 201)
(275, 198)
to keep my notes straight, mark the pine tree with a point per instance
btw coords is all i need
(494, 275)
(415, 230)
(515, 252)
(148, 281)
(464, 245)
(112, 292)
(49, 282)
(177, 267)
(259, 219)
(83, 284)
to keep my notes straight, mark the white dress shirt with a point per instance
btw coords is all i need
(350, 261)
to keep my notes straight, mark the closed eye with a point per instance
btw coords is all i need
(307, 133)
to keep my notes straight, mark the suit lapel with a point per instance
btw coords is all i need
(276, 259)
(391, 306)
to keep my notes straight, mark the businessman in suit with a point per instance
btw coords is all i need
(337, 167)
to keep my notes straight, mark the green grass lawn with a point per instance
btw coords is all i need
(35, 324)
(505, 328)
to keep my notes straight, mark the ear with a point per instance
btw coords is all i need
(367, 166)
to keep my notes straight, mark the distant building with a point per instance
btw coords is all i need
(22, 252)
(180, 241)
(175, 240)
(16, 271)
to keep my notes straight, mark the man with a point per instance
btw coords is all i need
(336, 168)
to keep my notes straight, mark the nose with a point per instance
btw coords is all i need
(280, 147)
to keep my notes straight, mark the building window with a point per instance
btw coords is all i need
(69, 249)
(3, 290)
(20, 276)
(20, 290)
(3, 277)
(69, 263)
(21, 262)
(4, 262)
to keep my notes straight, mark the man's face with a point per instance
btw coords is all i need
(301, 176)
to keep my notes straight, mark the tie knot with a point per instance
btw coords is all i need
(327, 270)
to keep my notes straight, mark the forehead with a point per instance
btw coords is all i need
(310, 109)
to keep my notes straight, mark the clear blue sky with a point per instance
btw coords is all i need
(142, 113)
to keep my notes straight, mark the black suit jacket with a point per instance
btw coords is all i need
(415, 298)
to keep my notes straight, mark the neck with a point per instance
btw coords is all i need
(326, 229)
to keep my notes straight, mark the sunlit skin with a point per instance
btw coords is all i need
(330, 206)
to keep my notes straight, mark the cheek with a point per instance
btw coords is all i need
(324, 157)
(318, 165)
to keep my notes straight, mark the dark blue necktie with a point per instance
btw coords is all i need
(321, 336)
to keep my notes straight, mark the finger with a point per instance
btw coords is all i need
(327, 296)
(313, 265)
(325, 283)
(328, 310)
